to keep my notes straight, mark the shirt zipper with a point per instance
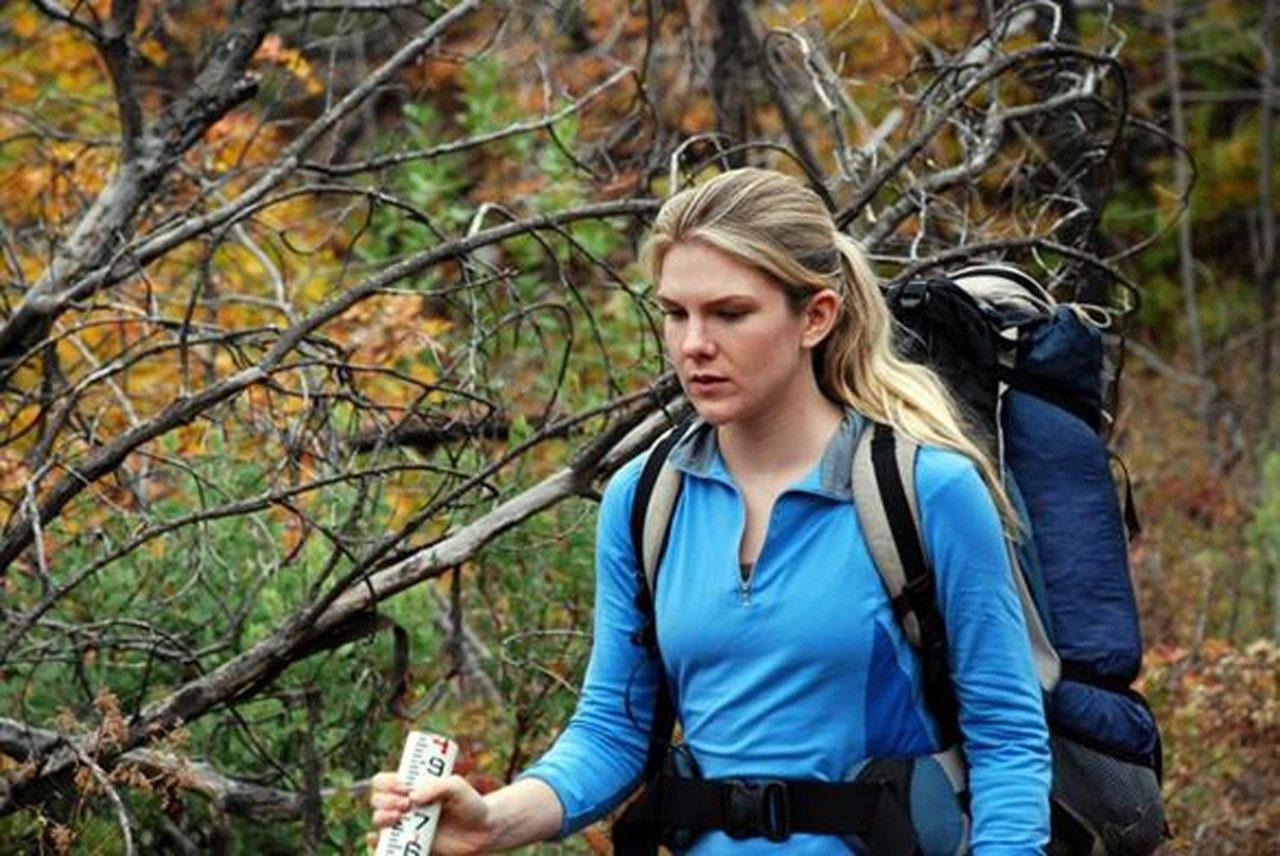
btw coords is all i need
(744, 583)
(744, 580)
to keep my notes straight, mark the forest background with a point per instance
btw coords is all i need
(321, 328)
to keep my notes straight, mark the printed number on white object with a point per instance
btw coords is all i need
(426, 756)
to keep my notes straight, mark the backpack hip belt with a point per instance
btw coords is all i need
(773, 809)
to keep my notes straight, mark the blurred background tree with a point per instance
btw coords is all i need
(320, 330)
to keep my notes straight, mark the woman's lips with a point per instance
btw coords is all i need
(704, 384)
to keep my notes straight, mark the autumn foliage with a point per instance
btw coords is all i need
(321, 328)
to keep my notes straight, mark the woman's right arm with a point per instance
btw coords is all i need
(519, 814)
(600, 755)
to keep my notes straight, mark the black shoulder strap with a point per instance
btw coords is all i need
(636, 832)
(918, 596)
(647, 564)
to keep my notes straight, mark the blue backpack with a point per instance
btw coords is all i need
(1032, 377)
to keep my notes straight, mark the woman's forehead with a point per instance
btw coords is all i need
(700, 271)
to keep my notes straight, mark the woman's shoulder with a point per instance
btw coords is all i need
(618, 500)
(938, 464)
(941, 471)
(622, 484)
(958, 515)
(620, 490)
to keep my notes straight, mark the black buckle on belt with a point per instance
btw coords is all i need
(753, 808)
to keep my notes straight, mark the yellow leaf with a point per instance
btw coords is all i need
(433, 327)
(13, 472)
(25, 22)
(154, 51)
(423, 373)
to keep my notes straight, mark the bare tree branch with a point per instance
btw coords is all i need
(116, 47)
(753, 35)
(58, 12)
(345, 169)
(1182, 178)
(996, 69)
(93, 258)
(96, 241)
(307, 7)
(19, 533)
(272, 655)
(21, 741)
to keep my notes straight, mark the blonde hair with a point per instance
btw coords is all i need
(777, 224)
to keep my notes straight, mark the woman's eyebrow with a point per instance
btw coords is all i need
(727, 299)
(732, 298)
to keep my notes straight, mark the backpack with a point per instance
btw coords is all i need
(1031, 377)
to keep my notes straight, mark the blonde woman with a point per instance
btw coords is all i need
(777, 639)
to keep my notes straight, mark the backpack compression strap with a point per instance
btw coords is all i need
(884, 495)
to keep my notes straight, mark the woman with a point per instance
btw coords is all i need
(783, 655)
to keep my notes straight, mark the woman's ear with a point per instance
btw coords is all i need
(820, 315)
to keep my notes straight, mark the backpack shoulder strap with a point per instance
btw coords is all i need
(884, 495)
(874, 507)
(654, 502)
(657, 492)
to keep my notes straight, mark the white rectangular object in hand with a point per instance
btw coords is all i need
(426, 756)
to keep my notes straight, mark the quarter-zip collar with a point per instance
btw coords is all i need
(698, 454)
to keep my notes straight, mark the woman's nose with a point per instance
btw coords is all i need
(696, 341)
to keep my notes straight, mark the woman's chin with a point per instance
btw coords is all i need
(712, 412)
(715, 412)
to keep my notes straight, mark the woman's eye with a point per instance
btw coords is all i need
(731, 314)
(675, 314)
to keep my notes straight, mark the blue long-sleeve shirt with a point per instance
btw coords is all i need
(802, 671)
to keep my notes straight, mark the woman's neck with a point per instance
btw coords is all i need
(786, 442)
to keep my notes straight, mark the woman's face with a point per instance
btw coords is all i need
(738, 348)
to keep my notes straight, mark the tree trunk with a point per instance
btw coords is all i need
(1266, 259)
(1071, 163)
(1182, 181)
(730, 77)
